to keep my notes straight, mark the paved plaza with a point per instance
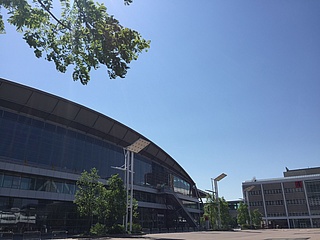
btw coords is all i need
(269, 234)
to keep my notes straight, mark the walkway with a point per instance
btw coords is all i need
(267, 234)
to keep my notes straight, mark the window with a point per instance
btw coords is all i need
(56, 186)
(296, 201)
(272, 191)
(15, 182)
(181, 186)
(275, 202)
(7, 181)
(35, 141)
(69, 188)
(293, 190)
(276, 214)
(25, 183)
(256, 203)
(1, 179)
(254, 192)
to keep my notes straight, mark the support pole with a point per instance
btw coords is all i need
(129, 151)
(249, 211)
(131, 190)
(126, 177)
(218, 203)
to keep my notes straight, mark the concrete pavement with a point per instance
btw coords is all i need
(265, 234)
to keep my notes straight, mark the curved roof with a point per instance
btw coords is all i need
(56, 109)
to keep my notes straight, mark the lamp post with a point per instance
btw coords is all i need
(129, 151)
(216, 180)
(247, 190)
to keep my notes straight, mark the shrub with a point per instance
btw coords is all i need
(245, 226)
(136, 228)
(116, 229)
(98, 229)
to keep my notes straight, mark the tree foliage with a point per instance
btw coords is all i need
(243, 214)
(226, 219)
(256, 216)
(84, 35)
(90, 196)
(212, 212)
(104, 206)
(244, 217)
(116, 201)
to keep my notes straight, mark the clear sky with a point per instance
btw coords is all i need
(227, 86)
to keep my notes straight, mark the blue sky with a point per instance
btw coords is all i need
(227, 86)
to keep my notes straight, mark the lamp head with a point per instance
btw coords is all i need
(220, 177)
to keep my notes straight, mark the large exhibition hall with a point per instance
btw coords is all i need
(48, 141)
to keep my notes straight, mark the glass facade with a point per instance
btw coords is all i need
(21, 214)
(313, 193)
(38, 143)
(36, 183)
(181, 186)
(29, 141)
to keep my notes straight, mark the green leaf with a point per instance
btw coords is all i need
(84, 36)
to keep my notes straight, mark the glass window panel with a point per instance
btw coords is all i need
(78, 157)
(72, 188)
(9, 115)
(20, 141)
(57, 151)
(61, 131)
(7, 181)
(69, 188)
(45, 148)
(49, 127)
(41, 184)
(1, 179)
(32, 184)
(57, 187)
(24, 120)
(65, 188)
(16, 182)
(71, 134)
(6, 134)
(37, 123)
(33, 144)
(25, 183)
(4, 202)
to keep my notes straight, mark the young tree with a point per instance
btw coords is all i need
(90, 196)
(116, 201)
(256, 218)
(226, 219)
(210, 210)
(104, 204)
(243, 214)
(84, 35)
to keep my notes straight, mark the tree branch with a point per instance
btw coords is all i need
(53, 16)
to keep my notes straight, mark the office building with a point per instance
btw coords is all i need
(292, 201)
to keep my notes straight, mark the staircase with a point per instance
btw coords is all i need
(183, 210)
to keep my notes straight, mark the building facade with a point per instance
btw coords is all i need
(47, 141)
(292, 201)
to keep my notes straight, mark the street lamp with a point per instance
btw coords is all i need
(129, 151)
(247, 190)
(216, 180)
